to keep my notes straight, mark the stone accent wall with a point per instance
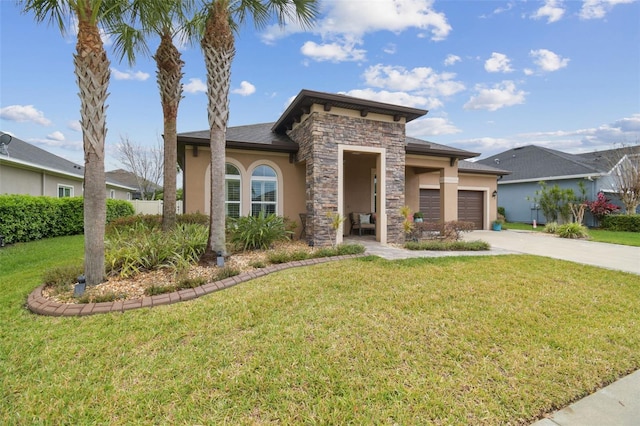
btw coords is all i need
(318, 137)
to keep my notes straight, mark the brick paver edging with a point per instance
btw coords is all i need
(43, 306)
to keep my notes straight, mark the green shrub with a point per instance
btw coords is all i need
(225, 272)
(257, 232)
(621, 222)
(119, 208)
(193, 218)
(27, 218)
(99, 298)
(154, 290)
(435, 245)
(502, 212)
(258, 264)
(277, 257)
(139, 247)
(191, 283)
(350, 249)
(551, 227)
(572, 230)
(62, 277)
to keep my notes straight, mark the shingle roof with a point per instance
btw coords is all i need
(254, 136)
(261, 137)
(533, 162)
(475, 167)
(28, 154)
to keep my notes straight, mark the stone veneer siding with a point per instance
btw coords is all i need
(318, 137)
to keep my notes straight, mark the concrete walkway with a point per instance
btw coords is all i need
(615, 405)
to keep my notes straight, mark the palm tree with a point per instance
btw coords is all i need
(222, 18)
(92, 72)
(164, 18)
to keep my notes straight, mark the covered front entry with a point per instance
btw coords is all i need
(362, 188)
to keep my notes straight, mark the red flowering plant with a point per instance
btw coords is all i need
(601, 206)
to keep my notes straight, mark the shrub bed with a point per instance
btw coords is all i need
(28, 218)
(621, 222)
(448, 245)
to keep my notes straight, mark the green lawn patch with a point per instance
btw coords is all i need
(599, 235)
(454, 340)
(435, 245)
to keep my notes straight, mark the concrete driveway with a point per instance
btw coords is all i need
(611, 256)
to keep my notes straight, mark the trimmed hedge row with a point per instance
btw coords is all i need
(27, 217)
(621, 222)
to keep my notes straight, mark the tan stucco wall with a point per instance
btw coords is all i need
(291, 180)
(15, 180)
(437, 173)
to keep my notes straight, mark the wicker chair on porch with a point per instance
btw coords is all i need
(362, 221)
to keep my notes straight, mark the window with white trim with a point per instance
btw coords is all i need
(232, 185)
(264, 191)
(65, 191)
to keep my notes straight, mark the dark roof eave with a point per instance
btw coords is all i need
(273, 147)
(485, 172)
(427, 150)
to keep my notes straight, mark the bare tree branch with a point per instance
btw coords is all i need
(145, 163)
(625, 175)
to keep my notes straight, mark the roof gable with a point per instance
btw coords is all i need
(21, 152)
(306, 98)
(533, 162)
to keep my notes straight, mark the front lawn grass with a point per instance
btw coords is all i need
(454, 340)
(599, 235)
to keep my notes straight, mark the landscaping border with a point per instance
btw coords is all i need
(40, 305)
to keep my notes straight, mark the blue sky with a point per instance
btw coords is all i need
(493, 74)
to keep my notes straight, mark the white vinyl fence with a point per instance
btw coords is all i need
(153, 207)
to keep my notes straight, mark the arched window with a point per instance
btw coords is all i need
(232, 190)
(264, 191)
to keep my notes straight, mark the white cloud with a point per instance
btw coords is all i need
(395, 98)
(129, 75)
(552, 10)
(501, 95)
(630, 124)
(452, 59)
(334, 52)
(55, 143)
(528, 71)
(431, 126)
(421, 79)
(547, 60)
(195, 85)
(390, 49)
(23, 114)
(597, 9)
(345, 22)
(498, 63)
(74, 125)
(245, 89)
(56, 136)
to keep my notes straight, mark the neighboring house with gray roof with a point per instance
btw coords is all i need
(27, 169)
(531, 164)
(131, 180)
(330, 153)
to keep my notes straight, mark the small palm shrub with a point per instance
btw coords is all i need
(257, 232)
(140, 247)
(572, 230)
(551, 228)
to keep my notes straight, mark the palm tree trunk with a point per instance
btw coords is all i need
(218, 47)
(169, 80)
(92, 72)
